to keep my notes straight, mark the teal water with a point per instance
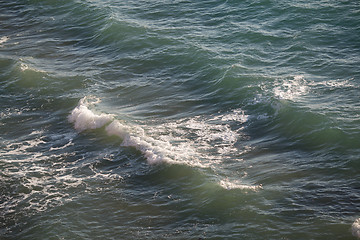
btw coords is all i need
(179, 119)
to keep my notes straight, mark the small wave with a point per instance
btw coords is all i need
(29, 75)
(355, 228)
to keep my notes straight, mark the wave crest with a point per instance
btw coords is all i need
(83, 118)
(197, 142)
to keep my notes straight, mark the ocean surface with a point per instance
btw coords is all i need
(178, 119)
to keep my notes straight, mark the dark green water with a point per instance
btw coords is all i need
(179, 119)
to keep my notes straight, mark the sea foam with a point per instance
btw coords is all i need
(3, 40)
(227, 184)
(291, 89)
(196, 142)
(166, 142)
(154, 150)
(83, 118)
(355, 228)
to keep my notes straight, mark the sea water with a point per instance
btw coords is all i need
(179, 119)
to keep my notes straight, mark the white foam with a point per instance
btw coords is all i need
(298, 77)
(3, 40)
(335, 84)
(35, 139)
(355, 228)
(152, 153)
(70, 143)
(210, 132)
(43, 186)
(154, 150)
(84, 119)
(290, 89)
(237, 115)
(196, 142)
(165, 150)
(25, 67)
(187, 141)
(227, 184)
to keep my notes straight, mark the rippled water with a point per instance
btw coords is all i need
(179, 119)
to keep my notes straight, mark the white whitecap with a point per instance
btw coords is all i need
(28, 66)
(3, 39)
(154, 150)
(236, 115)
(336, 84)
(355, 228)
(84, 119)
(227, 184)
(24, 67)
(197, 142)
(291, 89)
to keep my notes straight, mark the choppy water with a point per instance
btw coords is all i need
(179, 119)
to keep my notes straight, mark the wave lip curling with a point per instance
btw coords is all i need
(84, 119)
(155, 151)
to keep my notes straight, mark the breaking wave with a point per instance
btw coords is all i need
(196, 142)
